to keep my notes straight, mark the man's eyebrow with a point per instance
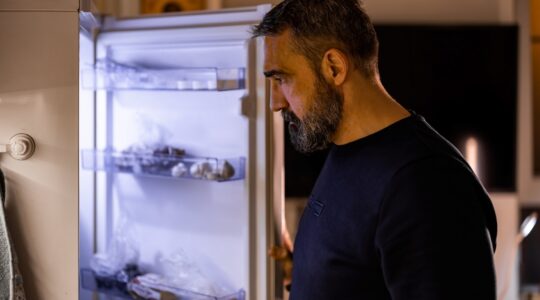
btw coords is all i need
(273, 73)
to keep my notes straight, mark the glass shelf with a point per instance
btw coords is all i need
(109, 285)
(173, 166)
(109, 75)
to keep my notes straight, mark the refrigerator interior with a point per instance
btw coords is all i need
(165, 155)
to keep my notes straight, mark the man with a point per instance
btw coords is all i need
(396, 212)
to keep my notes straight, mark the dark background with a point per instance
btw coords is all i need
(462, 79)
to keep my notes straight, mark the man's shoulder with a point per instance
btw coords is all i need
(403, 143)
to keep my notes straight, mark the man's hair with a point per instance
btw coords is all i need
(319, 25)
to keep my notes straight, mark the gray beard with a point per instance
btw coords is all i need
(320, 123)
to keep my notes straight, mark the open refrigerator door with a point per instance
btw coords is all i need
(177, 159)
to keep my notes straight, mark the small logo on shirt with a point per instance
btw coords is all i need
(316, 206)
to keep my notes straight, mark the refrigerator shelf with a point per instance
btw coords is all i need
(111, 286)
(109, 75)
(172, 166)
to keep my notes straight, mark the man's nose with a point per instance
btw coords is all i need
(277, 100)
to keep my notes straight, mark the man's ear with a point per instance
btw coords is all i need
(335, 66)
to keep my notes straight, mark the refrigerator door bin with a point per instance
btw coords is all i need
(111, 286)
(173, 166)
(110, 75)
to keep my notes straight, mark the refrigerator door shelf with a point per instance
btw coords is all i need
(109, 75)
(144, 164)
(111, 286)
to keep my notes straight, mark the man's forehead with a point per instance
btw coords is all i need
(271, 53)
(277, 50)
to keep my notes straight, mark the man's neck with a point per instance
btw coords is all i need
(367, 108)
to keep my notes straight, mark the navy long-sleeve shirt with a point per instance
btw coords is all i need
(396, 215)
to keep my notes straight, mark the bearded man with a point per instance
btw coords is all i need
(396, 212)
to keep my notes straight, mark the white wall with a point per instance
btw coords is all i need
(38, 96)
(56, 5)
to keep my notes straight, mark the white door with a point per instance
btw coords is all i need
(39, 97)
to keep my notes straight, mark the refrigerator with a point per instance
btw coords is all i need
(158, 166)
(177, 157)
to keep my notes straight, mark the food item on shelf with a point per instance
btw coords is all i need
(169, 151)
(152, 160)
(129, 272)
(211, 176)
(200, 169)
(114, 283)
(225, 169)
(221, 171)
(179, 170)
(171, 161)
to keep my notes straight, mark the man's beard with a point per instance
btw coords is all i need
(320, 122)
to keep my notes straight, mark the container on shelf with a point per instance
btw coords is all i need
(172, 166)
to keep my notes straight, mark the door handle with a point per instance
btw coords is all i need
(21, 146)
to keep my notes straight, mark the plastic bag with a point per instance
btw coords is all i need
(121, 251)
(179, 277)
(182, 272)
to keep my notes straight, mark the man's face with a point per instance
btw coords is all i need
(310, 105)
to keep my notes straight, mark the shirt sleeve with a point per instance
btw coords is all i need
(432, 235)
